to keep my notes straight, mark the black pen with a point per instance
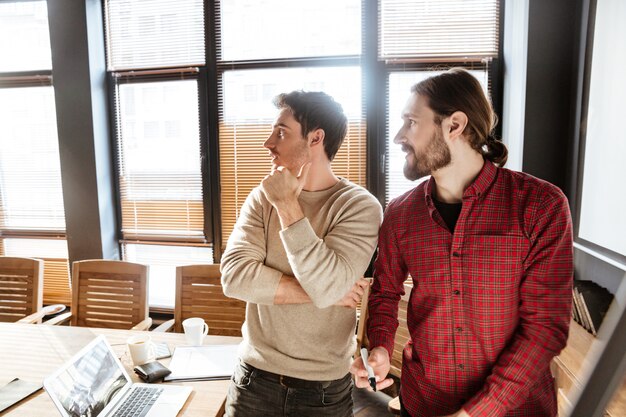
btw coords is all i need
(370, 372)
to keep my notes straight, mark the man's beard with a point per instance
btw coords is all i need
(435, 156)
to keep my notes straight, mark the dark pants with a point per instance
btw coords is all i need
(403, 412)
(256, 393)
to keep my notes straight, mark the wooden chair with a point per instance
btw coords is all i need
(106, 293)
(21, 289)
(361, 334)
(199, 293)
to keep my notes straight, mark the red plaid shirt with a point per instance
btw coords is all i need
(491, 303)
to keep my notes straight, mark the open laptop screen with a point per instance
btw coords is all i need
(85, 386)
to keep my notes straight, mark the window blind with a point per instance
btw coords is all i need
(163, 260)
(255, 30)
(30, 172)
(31, 195)
(24, 27)
(246, 117)
(160, 178)
(154, 33)
(56, 272)
(438, 30)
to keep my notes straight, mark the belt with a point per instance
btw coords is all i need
(288, 381)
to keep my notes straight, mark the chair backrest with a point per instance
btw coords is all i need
(108, 293)
(199, 293)
(402, 334)
(21, 287)
(361, 311)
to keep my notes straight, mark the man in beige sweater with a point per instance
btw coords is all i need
(301, 244)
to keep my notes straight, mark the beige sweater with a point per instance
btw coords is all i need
(327, 252)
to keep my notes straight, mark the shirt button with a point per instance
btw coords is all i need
(456, 292)
(459, 329)
(456, 254)
(461, 366)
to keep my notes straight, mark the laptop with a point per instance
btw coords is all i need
(95, 383)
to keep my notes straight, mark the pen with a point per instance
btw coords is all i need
(370, 372)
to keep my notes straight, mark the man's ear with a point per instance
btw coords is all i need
(457, 122)
(316, 137)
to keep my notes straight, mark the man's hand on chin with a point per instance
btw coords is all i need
(282, 189)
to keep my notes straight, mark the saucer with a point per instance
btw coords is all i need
(53, 309)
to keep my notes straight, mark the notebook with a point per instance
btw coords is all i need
(15, 391)
(95, 383)
(208, 362)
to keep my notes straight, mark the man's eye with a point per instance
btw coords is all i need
(411, 122)
(281, 133)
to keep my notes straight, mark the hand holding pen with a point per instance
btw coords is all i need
(378, 364)
(370, 372)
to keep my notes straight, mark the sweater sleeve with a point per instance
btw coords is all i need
(327, 268)
(244, 275)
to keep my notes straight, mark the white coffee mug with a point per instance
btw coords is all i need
(195, 330)
(142, 349)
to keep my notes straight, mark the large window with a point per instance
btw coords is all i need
(399, 88)
(314, 47)
(416, 39)
(155, 50)
(32, 217)
(603, 189)
(193, 102)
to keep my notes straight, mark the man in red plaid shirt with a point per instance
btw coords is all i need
(490, 254)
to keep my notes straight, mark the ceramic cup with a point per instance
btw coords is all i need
(142, 349)
(195, 330)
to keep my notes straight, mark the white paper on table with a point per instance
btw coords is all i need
(203, 362)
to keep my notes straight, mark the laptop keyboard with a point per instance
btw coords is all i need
(138, 403)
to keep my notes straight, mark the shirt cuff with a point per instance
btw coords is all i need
(298, 236)
(381, 339)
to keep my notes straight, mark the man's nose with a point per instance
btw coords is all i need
(268, 142)
(399, 138)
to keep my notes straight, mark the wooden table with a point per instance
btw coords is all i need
(32, 352)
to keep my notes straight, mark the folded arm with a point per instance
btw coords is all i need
(244, 274)
(328, 268)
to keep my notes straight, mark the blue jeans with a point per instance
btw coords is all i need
(256, 393)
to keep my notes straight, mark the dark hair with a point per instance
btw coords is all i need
(458, 90)
(317, 110)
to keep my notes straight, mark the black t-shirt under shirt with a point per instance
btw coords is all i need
(449, 212)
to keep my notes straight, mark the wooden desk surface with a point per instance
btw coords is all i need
(32, 352)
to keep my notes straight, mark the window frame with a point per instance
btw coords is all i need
(377, 77)
(27, 79)
(375, 74)
(577, 149)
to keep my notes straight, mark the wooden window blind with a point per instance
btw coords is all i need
(246, 116)
(438, 30)
(32, 215)
(160, 178)
(154, 33)
(53, 252)
(155, 54)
